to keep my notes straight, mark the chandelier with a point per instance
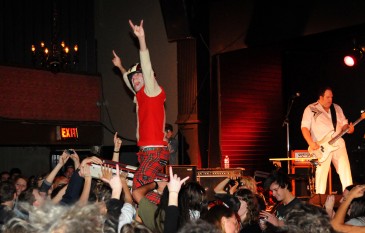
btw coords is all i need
(56, 56)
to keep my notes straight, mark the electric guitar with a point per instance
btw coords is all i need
(326, 144)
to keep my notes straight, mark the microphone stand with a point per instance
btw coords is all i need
(286, 123)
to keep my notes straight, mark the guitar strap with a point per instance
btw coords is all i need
(333, 116)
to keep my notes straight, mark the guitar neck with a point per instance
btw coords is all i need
(333, 140)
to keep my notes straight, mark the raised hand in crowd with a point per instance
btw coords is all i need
(47, 183)
(338, 222)
(174, 186)
(113, 180)
(172, 211)
(92, 159)
(329, 204)
(117, 145)
(75, 158)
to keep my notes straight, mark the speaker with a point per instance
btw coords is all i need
(209, 184)
(301, 185)
(183, 171)
(177, 17)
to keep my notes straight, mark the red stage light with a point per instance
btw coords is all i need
(349, 60)
(353, 58)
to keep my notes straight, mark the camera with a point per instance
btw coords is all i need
(233, 182)
(70, 151)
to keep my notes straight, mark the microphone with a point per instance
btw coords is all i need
(296, 95)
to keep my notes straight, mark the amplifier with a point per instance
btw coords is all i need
(300, 158)
(220, 172)
(210, 177)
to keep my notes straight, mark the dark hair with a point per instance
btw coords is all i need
(27, 195)
(322, 90)
(135, 227)
(348, 188)
(247, 196)
(56, 190)
(357, 207)
(4, 172)
(168, 127)
(231, 201)
(305, 217)
(216, 213)
(192, 196)
(14, 171)
(7, 190)
(279, 177)
(198, 226)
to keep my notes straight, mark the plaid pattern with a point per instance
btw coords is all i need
(151, 162)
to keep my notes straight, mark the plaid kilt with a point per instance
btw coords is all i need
(151, 162)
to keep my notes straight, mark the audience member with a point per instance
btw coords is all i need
(224, 218)
(7, 197)
(248, 211)
(5, 175)
(172, 145)
(338, 222)
(135, 227)
(245, 182)
(172, 210)
(199, 226)
(304, 218)
(356, 212)
(65, 219)
(280, 185)
(330, 201)
(21, 184)
(14, 172)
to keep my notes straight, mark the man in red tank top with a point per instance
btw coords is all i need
(149, 99)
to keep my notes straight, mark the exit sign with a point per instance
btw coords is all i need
(67, 133)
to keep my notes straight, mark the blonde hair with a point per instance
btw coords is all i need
(250, 183)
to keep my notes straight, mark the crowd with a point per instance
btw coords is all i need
(70, 200)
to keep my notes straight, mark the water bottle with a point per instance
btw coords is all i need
(226, 161)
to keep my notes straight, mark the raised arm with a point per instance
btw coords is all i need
(117, 145)
(220, 187)
(151, 86)
(76, 182)
(75, 158)
(172, 212)
(85, 172)
(338, 222)
(117, 61)
(61, 162)
(47, 183)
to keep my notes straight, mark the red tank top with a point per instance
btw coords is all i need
(150, 118)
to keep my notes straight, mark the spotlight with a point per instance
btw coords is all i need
(353, 58)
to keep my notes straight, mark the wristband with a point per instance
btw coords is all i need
(116, 151)
(156, 185)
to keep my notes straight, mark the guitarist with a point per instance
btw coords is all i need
(319, 119)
